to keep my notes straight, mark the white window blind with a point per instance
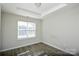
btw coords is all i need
(26, 29)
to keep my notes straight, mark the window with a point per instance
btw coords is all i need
(26, 29)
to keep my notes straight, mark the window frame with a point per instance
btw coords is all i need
(18, 36)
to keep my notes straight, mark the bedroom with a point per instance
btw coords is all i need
(47, 29)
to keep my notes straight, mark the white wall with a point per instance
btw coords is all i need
(0, 28)
(9, 30)
(61, 29)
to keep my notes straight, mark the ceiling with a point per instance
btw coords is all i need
(30, 9)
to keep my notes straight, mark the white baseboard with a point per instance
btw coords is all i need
(39, 42)
(17, 47)
(58, 48)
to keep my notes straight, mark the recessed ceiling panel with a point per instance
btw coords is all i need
(29, 8)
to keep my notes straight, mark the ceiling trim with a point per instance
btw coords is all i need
(22, 9)
(53, 9)
(36, 14)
